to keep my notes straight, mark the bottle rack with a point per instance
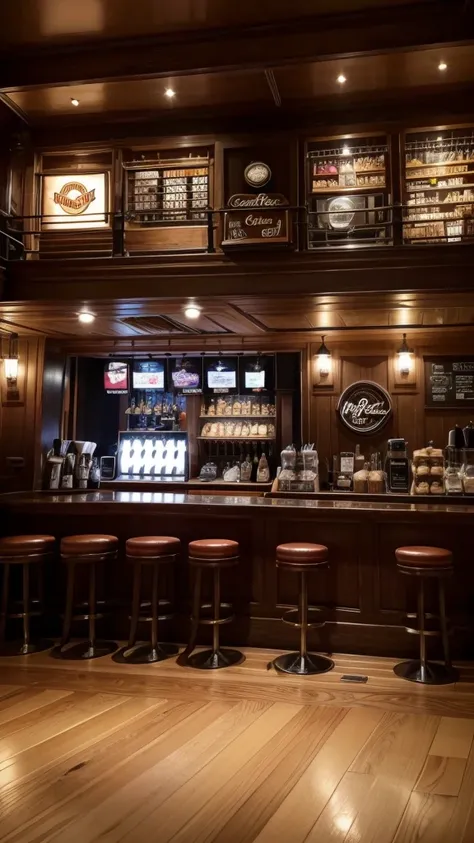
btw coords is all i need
(167, 191)
(347, 184)
(439, 187)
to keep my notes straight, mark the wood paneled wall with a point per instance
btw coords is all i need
(20, 421)
(375, 360)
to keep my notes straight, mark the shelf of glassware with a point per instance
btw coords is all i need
(152, 454)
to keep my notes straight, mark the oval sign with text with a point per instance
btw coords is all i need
(364, 407)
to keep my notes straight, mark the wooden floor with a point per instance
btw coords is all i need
(106, 752)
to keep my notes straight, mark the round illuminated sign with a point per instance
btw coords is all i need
(257, 174)
(74, 198)
(364, 407)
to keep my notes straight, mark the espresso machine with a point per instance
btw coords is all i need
(397, 466)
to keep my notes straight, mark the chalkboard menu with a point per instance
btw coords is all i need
(449, 382)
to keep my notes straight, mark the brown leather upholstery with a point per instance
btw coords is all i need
(23, 546)
(301, 553)
(424, 557)
(213, 549)
(85, 545)
(152, 546)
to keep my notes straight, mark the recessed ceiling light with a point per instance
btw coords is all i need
(341, 79)
(85, 317)
(74, 101)
(192, 311)
(439, 138)
(346, 150)
(442, 66)
(170, 93)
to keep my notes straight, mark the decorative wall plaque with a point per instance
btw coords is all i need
(257, 174)
(256, 219)
(364, 407)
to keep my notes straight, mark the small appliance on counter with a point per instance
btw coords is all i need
(397, 466)
(299, 470)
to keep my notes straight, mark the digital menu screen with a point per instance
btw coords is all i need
(186, 375)
(149, 374)
(257, 374)
(116, 378)
(221, 374)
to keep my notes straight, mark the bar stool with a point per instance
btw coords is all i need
(24, 551)
(214, 555)
(85, 550)
(425, 562)
(151, 551)
(302, 557)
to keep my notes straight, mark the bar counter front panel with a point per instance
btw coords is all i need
(364, 596)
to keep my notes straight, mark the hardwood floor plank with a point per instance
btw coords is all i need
(441, 776)
(56, 718)
(241, 809)
(461, 828)
(295, 816)
(171, 814)
(453, 738)
(24, 709)
(426, 819)
(342, 809)
(101, 784)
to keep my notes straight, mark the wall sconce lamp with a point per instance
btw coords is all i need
(10, 362)
(324, 359)
(405, 357)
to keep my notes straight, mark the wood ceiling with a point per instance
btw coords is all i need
(240, 319)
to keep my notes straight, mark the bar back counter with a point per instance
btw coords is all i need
(364, 598)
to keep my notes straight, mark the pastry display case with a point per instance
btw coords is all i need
(439, 186)
(348, 192)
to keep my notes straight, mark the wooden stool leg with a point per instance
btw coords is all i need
(154, 609)
(4, 609)
(217, 610)
(67, 623)
(26, 607)
(443, 624)
(137, 568)
(421, 625)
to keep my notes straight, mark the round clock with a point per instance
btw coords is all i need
(257, 174)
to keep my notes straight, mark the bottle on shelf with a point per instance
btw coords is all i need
(246, 470)
(359, 459)
(263, 471)
(253, 476)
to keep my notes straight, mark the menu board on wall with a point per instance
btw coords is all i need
(449, 381)
(74, 201)
(221, 374)
(149, 374)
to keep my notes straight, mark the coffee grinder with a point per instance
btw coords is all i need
(397, 466)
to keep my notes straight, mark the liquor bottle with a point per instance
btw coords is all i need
(253, 476)
(246, 470)
(263, 471)
(359, 459)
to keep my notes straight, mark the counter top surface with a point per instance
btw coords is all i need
(29, 499)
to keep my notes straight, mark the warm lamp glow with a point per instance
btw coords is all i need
(11, 369)
(405, 357)
(324, 359)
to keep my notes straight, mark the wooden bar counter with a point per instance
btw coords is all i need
(364, 596)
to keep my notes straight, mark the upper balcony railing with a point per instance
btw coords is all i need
(293, 227)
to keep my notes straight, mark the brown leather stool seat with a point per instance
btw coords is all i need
(88, 545)
(427, 562)
(88, 549)
(150, 551)
(25, 551)
(302, 557)
(217, 551)
(214, 554)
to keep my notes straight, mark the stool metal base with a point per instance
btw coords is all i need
(300, 665)
(427, 674)
(215, 659)
(145, 654)
(83, 650)
(19, 648)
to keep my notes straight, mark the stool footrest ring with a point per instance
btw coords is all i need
(310, 625)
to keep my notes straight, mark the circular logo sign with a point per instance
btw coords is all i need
(257, 174)
(364, 407)
(74, 198)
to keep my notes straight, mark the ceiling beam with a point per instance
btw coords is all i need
(305, 39)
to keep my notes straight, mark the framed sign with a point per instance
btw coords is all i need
(364, 407)
(256, 219)
(74, 201)
(116, 378)
(449, 381)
